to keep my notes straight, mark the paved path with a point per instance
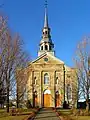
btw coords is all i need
(46, 114)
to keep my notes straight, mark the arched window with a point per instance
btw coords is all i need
(68, 91)
(46, 32)
(41, 47)
(34, 80)
(46, 79)
(50, 47)
(56, 80)
(46, 47)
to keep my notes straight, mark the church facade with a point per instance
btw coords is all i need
(50, 82)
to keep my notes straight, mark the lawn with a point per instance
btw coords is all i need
(14, 117)
(2, 110)
(66, 113)
(81, 118)
(19, 116)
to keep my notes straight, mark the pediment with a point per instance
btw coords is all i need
(47, 59)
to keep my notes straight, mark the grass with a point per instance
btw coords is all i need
(23, 113)
(67, 114)
(2, 110)
(14, 117)
(80, 118)
(64, 112)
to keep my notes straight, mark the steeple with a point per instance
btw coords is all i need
(46, 44)
(46, 18)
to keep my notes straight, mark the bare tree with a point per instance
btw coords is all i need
(2, 50)
(21, 80)
(12, 56)
(82, 63)
(22, 77)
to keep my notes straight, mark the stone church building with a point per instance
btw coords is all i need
(50, 82)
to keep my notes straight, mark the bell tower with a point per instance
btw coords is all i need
(46, 44)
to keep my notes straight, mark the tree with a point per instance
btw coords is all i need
(82, 63)
(21, 81)
(12, 56)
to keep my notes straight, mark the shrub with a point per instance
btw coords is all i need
(28, 104)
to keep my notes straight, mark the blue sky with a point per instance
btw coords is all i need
(69, 21)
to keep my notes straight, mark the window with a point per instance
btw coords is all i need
(34, 80)
(68, 91)
(46, 32)
(41, 47)
(56, 80)
(46, 79)
(46, 47)
(50, 47)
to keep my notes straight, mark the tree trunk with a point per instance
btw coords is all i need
(87, 106)
(7, 104)
(17, 100)
(87, 100)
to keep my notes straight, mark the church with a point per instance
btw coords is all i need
(50, 82)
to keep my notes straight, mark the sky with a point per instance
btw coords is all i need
(69, 21)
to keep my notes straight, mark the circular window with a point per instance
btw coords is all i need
(46, 59)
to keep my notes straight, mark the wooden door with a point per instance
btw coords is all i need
(47, 98)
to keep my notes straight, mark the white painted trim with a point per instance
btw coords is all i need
(47, 92)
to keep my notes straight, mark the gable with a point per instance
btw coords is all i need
(47, 59)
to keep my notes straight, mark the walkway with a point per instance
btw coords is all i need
(46, 114)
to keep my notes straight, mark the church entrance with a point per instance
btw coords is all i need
(47, 98)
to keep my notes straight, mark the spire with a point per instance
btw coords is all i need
(46, 16)
(46, 44)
